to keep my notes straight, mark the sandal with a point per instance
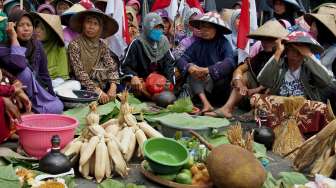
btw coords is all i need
(218, 114)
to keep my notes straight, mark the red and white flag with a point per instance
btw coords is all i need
(247, 23)
(171, 6)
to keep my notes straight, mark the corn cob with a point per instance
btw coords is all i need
(108, 164)
(92, 162)
(131, 148)
(125, 139)
(86, 154)
(117, 158)
(97, 130)
(85, 170)
(113, 129)
(130, 120)
(100, 161)
(73, 147)
(141, 138)
(149, 130)
(110, 122)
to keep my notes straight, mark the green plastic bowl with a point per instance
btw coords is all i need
(165, 155)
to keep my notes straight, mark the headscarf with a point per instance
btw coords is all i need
(135, 2)
(48, 7)
(191, 12)
(154, 50)
(29, 45)
(233, 36)
(131, 11)
(56, 54)
(90, 50)
(3, 26)
(133, 26)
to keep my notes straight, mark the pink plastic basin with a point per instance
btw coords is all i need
(36, 130)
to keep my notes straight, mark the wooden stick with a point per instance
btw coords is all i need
(299, 147)
(202, 140)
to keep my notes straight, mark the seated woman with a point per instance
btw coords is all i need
(26, 60)
(68, 33)
(299, 73)
(286, 9)
(244, 80)
(133, 26)
(48, 30)
(209, 62)
(147, 54)
(191, 33)
(89, 56)
(168, 26)
(323, 29)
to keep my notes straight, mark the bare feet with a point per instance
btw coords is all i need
(207, 108)
(221, 112)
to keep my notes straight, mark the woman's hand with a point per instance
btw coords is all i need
(12, 33)
(112, 92)
(11, 110)
(104, 98)
(23, 101)
(280, 47)
(304, 50)
(136, 83)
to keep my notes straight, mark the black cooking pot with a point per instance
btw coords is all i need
(164, 98)
(264, 135)
(55, 162)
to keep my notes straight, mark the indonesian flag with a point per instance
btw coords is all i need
(247, 23)
(171, 6)
(118, 42)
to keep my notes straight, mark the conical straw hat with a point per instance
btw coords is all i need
(328, 20)
(213, 18)
(54, 21)
(65, 17)
(74, 9)
(110, 26)
(271, 29)
(326, 8)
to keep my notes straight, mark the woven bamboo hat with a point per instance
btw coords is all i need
(328, 20)
(271, 29)
(213, 18)
(53, 21)
(65, 17)
(110, 25)
(302, 37)
(326, 8)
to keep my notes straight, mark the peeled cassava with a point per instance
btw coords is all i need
(231, 166)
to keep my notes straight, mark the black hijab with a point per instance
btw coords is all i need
(29, 45)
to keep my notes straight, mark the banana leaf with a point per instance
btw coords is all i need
(286, 180)
(186, 121)
(8, 177)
